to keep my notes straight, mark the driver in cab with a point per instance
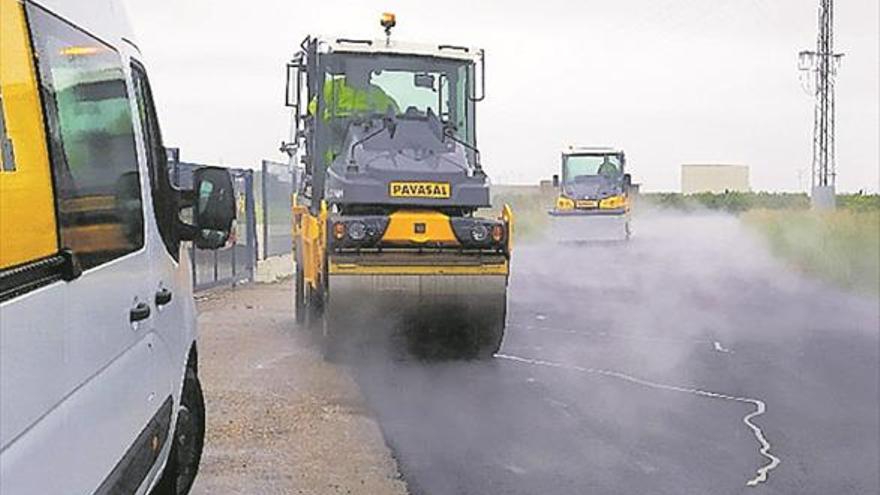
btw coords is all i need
(350, 95)
(607, 168)
(353, 94)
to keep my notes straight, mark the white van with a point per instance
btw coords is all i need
(99, 389)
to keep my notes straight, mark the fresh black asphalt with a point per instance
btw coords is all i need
(607, 346)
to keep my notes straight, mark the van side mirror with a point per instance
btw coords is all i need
(213, 207)
(627, 180)
(555, 180)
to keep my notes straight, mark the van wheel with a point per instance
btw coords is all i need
(187, 442)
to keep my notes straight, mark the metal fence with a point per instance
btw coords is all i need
(274, 205)
(262, 225)
(236, 262)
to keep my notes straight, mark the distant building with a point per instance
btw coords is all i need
(714, 178)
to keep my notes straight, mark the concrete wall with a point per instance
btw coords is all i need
(274, 268)
(714, 178)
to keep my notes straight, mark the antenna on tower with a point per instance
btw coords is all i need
(822, 65)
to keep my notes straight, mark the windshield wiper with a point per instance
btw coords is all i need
(448, 132)
(388, 123)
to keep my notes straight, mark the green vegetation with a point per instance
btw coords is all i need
(859, 202)
(841, 246)
(738, 202)
(732, 202)
(529, 206)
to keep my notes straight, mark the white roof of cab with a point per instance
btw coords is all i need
(341, 44)
(590, 150)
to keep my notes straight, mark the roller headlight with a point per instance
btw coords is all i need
(360, 232)
(357, 231)
(563, 203)
(497, 232)
(479, 232)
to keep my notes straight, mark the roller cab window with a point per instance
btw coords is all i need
(91, 141)
(425, 98)
(579, 168)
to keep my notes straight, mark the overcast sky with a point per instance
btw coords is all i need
(669, 81)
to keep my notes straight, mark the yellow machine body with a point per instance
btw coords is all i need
(422, 276)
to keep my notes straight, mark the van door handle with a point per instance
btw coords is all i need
(139, 312)
(163, 297)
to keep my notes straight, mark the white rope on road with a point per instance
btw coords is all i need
(760, 407)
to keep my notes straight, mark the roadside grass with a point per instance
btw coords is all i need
(738, 202)
(841, 246)
(529, 205)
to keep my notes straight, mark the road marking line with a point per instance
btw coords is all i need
(273, 361)
(720, 348)
(760, 407)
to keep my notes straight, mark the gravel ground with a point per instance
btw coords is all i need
(280, 419)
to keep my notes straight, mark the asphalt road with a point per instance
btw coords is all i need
(646, 367)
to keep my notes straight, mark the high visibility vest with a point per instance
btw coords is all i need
(341, 100)
(608, 168)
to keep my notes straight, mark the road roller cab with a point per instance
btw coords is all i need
(593, 202)
(386, 217)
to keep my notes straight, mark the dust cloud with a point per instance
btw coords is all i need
(693, 301)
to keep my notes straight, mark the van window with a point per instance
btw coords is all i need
(157, 161)
(91, 140)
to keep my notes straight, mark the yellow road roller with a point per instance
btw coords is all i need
(593, 202)
(386, 218)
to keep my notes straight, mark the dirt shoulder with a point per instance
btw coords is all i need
(280, 419)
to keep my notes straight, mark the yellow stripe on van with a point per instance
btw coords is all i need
(27, 212)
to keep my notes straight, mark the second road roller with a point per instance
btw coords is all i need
(594, 196)
(387, 224)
